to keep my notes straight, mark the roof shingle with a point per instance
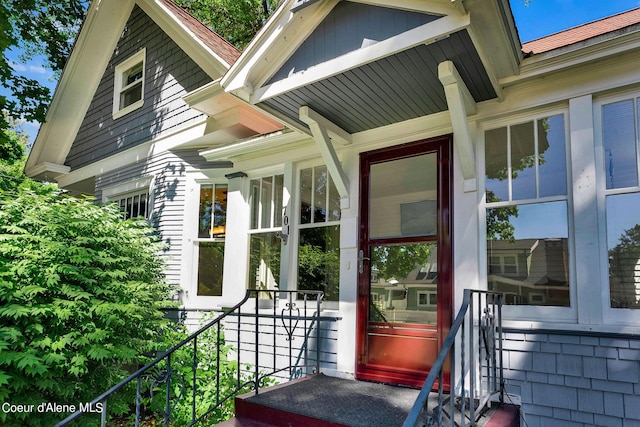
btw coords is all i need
(583, 32)
(211, 39)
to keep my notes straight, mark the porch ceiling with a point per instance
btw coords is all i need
(396, 88)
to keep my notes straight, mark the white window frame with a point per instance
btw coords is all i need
(118, 83)
(272, 228)
(295, 226)
(529, 312)
(123, 191)
(613, 316)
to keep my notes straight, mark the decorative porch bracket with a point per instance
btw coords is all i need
(322, 130)
(461, 104)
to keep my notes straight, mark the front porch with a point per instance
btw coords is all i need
(323, 401)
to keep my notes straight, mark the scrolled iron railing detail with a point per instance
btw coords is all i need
(172, 376)
(291, 328)
(479, 325)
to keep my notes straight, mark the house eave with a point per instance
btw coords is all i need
(577, 54)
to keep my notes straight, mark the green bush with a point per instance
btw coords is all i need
(80, 297)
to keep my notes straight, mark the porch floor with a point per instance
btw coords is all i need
(320, 400)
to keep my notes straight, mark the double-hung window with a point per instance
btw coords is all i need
(318, 232)
(128, 88)
(527, 226)
(620, 124)
(212, 221)
(265, 247)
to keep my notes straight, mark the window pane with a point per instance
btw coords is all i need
(334, 202)
(220, 212)
(143, 205)
(523, 162)
(319, 260)
(264, 261)
(405, 273)
(255, 202)
(265, 201)
(320, 194)
(306, 191)
(403, 197)
(131, 95)
(210, 263)
(528, 253)
(278, 195)
(619, 139)
(623, 243)
(552, 161)
(496, 182)
(132, 75)
(205, 210)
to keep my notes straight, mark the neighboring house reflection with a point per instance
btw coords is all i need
(530, 271)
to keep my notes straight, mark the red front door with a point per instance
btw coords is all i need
(404, 284)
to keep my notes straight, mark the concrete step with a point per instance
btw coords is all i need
(322, 401)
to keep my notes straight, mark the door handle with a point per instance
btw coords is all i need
(361, 259)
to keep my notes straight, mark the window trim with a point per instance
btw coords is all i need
(610, 315)
(536, 313)
(118, 192)
(118, 88)
(295, 227)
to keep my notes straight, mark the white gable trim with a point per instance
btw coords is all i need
(424, 34)
(93, 49)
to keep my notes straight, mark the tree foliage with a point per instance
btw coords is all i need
(235, 20)
(34, 27)
(80, 296)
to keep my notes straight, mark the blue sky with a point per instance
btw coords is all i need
(534, 19)
(540, 18)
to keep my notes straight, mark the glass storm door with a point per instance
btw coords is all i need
(404, 282)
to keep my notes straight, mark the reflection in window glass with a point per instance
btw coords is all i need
(212, 217)
(496, 165)
(623, 243)
(210, 263)
(528, 253)
(537, 160)
(319, 260)
(619, 140)
(264, 261)
(523, 162)
(319, 199)
(552, 159)
(406, 289)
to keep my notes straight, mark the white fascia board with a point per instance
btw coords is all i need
(258, 143)
(179, 33)
(424, 34)
(92, 51)
(135, 154)
(279, 38)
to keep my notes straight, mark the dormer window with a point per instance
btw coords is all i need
(128, 91)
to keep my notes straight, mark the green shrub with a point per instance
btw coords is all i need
(80, 297)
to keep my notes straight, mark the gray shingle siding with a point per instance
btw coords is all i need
(569, 380)
(170, 74)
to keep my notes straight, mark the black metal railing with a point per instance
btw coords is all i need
(479, 327)
(268, 337)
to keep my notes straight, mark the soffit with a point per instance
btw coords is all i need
(390, 90)
(368, 64)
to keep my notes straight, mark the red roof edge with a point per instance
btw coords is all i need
(211, 39)
(583, 32)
